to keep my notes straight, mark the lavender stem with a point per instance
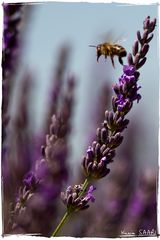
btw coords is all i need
(60, 225)
(102, 150)
(85, 185)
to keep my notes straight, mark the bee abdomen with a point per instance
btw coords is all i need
(120, 51)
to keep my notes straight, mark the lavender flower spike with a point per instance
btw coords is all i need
(109, 134)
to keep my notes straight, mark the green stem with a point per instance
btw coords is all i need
(85, 184)
(60, 225)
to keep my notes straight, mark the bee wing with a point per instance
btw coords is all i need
(108, 36)
(120, 39)
(111, 37)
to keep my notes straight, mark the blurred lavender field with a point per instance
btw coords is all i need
(50, 116)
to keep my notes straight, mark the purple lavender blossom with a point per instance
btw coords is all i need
(109, 136)
(74, 200)
(89, 195)
(126, 90)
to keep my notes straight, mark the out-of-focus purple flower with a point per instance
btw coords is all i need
(136, 205)
(13, 14)
(142, 205)
(57, 85)
(16, 151)
(17, 159)
(49, 174)
(12, 19)
(30, 180)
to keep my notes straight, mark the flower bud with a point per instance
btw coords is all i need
(141, 63)
(144, 50)
(135, 48)
(139, 37)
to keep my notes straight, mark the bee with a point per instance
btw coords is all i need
(110, 50)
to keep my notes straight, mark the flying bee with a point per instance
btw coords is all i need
(110, 50)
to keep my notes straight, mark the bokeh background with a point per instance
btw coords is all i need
(48, 67)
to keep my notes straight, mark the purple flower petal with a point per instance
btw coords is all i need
(89, 196)
(129, 70)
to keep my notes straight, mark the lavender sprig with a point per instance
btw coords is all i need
(109, 135)
(43, 184)
(75, 200)
(48, 175)
(16, 158)
(12, 19)
(13, 15)
(57, 84)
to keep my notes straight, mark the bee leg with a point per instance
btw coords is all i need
(120, 60)
(105, 57)
(98, 55)
(112, 61)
